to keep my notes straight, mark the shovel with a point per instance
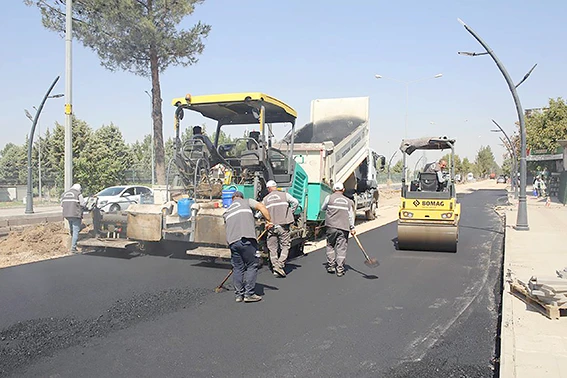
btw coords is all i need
(370, 261)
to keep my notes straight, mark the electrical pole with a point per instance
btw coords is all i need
(68, 96)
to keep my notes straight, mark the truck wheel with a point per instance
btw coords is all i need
(371, 213)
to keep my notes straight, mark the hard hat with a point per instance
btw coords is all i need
(271, 184)
(338, 186)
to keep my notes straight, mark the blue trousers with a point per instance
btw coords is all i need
(74, 228)
(245, 266)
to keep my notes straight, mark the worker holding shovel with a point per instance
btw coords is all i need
(339, 220)
(241, 239)
(281, 207)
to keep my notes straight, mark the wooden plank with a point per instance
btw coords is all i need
(107, 243)
(210, 252)
(552, 311)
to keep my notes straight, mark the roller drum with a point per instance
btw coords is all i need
(428, 237)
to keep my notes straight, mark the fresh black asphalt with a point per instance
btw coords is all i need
(419, 314)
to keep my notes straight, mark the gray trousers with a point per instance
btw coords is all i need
(278, 240)
(337, 245)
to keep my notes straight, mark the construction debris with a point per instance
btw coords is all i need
(546, 294)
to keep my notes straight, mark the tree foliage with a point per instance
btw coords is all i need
(467, 166)
(484, 162)
(104, 161)
(398, 167)
(13, 163)
(544, 129)
(138, 36)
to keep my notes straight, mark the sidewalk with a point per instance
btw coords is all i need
(533, 345)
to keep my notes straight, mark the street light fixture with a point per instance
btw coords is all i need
(407, 83)
(522, 218)
(29, 194)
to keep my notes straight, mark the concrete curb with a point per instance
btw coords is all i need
(507, 338)
(18, 224)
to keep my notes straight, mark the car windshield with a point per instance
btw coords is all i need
(114, 191)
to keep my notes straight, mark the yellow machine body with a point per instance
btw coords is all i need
(429, 214)
(428, 224)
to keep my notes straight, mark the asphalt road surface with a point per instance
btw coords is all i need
(419, 314)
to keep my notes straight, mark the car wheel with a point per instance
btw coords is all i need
(114, 207)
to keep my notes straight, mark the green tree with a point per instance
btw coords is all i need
(104, 160)
(55, 149)
(138, 36)
(544, 129)
(484, 161)
(456, 162)
(467, 166)
(398, 167)
(13, 164)
(141, 154)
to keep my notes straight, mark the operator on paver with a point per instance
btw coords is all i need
(339, 220)
(438, 169)
(281, 207)
(241, 239)
(73, 203)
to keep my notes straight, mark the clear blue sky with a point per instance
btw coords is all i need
(304, 50)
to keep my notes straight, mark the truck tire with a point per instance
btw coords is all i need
(371, 213)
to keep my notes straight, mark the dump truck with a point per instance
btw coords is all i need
(335, 147)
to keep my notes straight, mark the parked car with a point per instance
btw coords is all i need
(501, 180)
(115, 198)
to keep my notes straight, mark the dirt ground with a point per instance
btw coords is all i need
(35, 243)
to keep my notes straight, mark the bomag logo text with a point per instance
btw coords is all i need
(432, 203)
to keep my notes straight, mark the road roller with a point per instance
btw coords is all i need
(429, 214)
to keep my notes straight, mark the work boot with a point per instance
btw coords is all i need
(252, 298)
(279, 271)
(340, 272)
(239, 299)
(330, 269)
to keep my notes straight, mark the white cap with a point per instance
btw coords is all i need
(271, 184)
(338, 186)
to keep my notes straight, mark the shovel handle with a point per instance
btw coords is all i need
(361, 247)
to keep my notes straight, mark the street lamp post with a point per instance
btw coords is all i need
(39, 144)
(522, 218)
(39, 157)
(407, 83)
(152, 139)
(512, 156)
(29, 194)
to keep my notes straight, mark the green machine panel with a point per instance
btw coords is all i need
(316, 193)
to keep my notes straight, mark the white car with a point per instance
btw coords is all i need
(116, 198)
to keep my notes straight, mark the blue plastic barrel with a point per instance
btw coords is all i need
(184, 207)
(227, 196)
